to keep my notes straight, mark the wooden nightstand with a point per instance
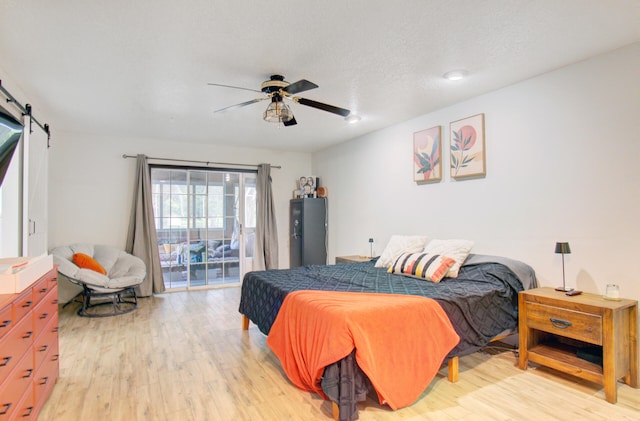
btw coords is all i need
(352, 259)
(554, 328)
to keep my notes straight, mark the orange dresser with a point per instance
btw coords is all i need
(28, 348)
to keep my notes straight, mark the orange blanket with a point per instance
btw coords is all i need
(400, 340)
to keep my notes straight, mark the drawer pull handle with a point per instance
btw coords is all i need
(43, 348)
(27, 304)
(28, 412)
(5, 409)
(44, 316)
(44, 381)
(559, 323)
(55, 357)
(5, 361)
(43, 290)
(5, 323)
(29, 373)
(27, 335)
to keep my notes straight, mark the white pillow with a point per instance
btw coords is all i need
(399, 244)
(456, 249)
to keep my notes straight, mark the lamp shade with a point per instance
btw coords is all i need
(563, 248)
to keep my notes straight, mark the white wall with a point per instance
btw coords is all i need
(91, 185)
(562, 165)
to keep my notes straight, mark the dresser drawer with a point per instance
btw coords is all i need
(568, 323)
(20, 380)
(44, 311)
(23, 304)
(52, 279)
(24, 411)
(46, 342)
(14, 345)
(41, 289)
(45, 378)
(6, 319)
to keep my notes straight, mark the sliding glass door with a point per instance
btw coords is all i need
(206, 225)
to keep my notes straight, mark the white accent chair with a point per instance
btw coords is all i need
(124, 273)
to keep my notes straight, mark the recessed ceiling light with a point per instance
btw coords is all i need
(455, 75)
(352, 118)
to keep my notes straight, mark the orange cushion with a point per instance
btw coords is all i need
(87, 262)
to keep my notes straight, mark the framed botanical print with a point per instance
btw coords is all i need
(467, 147)
(427, 162)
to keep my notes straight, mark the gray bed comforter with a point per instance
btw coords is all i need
(481, 304)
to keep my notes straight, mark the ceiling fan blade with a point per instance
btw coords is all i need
(234, 87)
(291, 122)
(299, 86)
(242, 104)
(324, 107)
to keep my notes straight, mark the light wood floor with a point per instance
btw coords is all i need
(183, 356)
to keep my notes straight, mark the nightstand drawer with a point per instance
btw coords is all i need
(568, 323)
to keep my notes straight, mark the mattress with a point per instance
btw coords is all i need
(481, 302)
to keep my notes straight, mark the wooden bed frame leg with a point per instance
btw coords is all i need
(335, 410)
(245, 322)
(453, 368)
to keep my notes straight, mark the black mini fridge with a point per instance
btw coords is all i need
(308, 231)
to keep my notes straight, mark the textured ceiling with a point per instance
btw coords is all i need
(141, 68)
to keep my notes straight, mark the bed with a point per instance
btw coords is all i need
(480, 303)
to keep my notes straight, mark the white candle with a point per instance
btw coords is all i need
(613, 291)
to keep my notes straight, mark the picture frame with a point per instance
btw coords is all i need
(307, 185)
(427, 155)
(467, 147)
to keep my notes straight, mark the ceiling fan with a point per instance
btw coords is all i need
(277, 90)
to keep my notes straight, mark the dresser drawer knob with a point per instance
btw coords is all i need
(27, 304)
(559, 323)
(5, 361)
(5, 408)
(5, 323)
(28, 374)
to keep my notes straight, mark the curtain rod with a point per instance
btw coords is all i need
(207, 163)
(25, 110)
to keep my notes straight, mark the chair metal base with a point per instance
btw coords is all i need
(123, 301)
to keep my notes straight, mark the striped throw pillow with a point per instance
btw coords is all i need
(430, 267)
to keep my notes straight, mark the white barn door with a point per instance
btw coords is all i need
(35, 197)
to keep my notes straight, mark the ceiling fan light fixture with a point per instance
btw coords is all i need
(277, 90)
(277, 112)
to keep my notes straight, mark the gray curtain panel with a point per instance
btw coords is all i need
(266, 256)
(142, 239)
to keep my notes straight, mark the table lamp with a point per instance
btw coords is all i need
(563, 248)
